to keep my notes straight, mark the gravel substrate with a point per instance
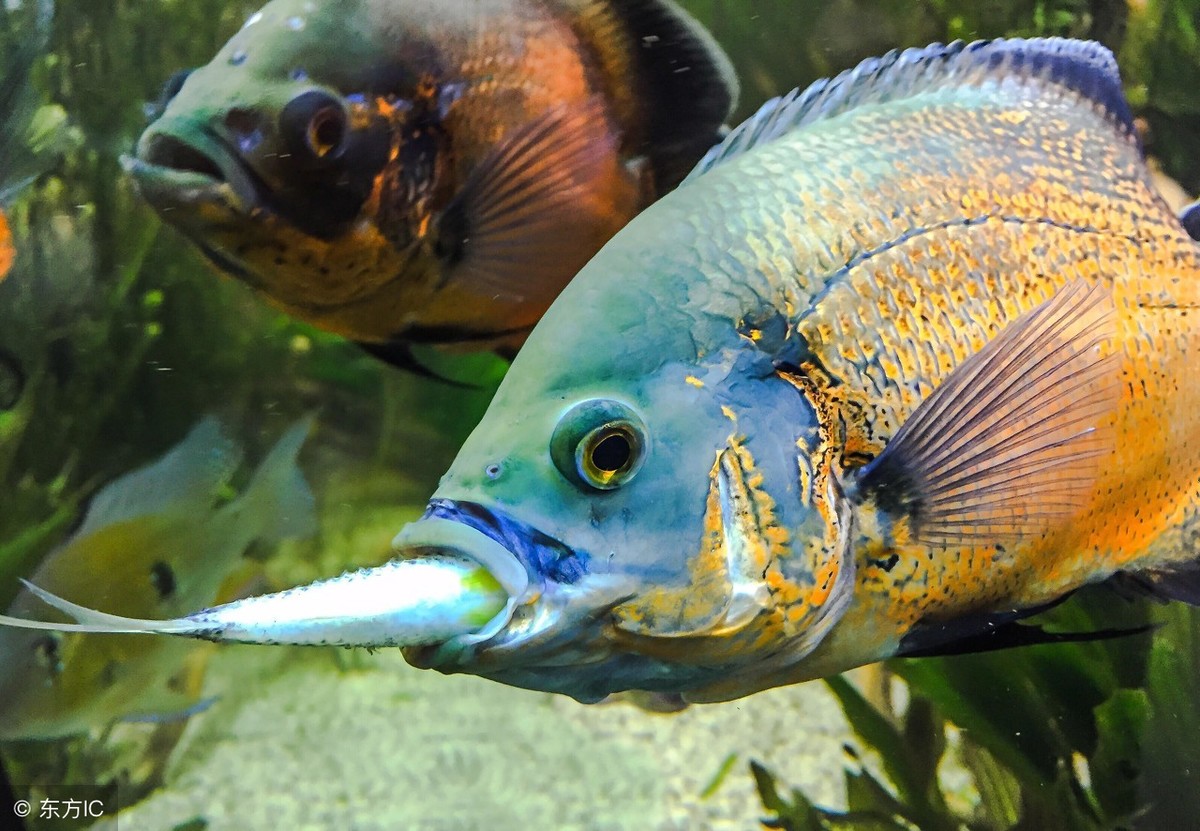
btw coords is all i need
(297, 742)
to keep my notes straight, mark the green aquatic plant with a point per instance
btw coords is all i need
(1063, 736)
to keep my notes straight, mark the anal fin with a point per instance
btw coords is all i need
(1008, 635)
(1181, 582)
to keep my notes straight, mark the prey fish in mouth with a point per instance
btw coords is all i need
(905, 359)
(403, 172)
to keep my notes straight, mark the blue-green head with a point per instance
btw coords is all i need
(629, 482)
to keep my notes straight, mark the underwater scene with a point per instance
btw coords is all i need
(756, 414)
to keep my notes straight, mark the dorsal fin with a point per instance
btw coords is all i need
(190, 474)
(1084, 67)
(682, 88)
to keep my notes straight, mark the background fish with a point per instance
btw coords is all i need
(154, 540)
(399, 171)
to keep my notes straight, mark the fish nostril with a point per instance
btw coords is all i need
(166, 151)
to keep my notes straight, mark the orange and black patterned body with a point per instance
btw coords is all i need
(402, 171)
(904, 360)
(929, 229)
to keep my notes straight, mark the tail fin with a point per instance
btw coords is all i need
(278, 502)
(93, 621)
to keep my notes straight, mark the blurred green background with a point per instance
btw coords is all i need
(115, 338)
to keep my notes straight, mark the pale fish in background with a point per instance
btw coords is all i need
(160, 540)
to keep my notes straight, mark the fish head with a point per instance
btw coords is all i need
(31, 682)
(634, 486)
(60, 684)
(304, 158)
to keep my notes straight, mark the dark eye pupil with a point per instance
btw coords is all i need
(315, 126)
(326, 130)
(46, 650)
(612, 453)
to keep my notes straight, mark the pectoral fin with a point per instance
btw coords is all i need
(1010, 445)
(514, 232)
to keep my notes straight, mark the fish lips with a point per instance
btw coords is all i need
(553, 594)
(185, 175)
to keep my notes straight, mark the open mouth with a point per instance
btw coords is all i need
(541, 575)
(174, 173)
(449, 536)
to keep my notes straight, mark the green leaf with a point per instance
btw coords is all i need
(1116, 766)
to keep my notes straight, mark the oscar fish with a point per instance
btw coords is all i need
(403, 172)
(906, 359)
(156, 540)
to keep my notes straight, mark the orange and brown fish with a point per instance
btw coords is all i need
(402, 171)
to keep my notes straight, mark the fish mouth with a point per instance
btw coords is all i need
(174, 173)
(552, 633)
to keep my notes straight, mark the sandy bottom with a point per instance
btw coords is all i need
(296, 741)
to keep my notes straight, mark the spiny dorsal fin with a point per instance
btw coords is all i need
(188, 476)
(1012, 441)
(1084, 67)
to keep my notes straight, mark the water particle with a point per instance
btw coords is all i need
(237, 58)
(252, 19)
(296, 23)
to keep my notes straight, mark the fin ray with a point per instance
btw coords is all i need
(1008, 425)
(190, 474)
(1084, 68)
(511, 223)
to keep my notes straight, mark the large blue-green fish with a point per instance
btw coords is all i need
(906, 359)
(158, 540)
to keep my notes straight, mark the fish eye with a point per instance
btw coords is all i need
(314, 124)
(162, 578)
(45, 652)
(599, 444)
(169, 90)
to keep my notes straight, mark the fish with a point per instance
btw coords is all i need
(158, 539)
(903, 362)
(406, 173)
